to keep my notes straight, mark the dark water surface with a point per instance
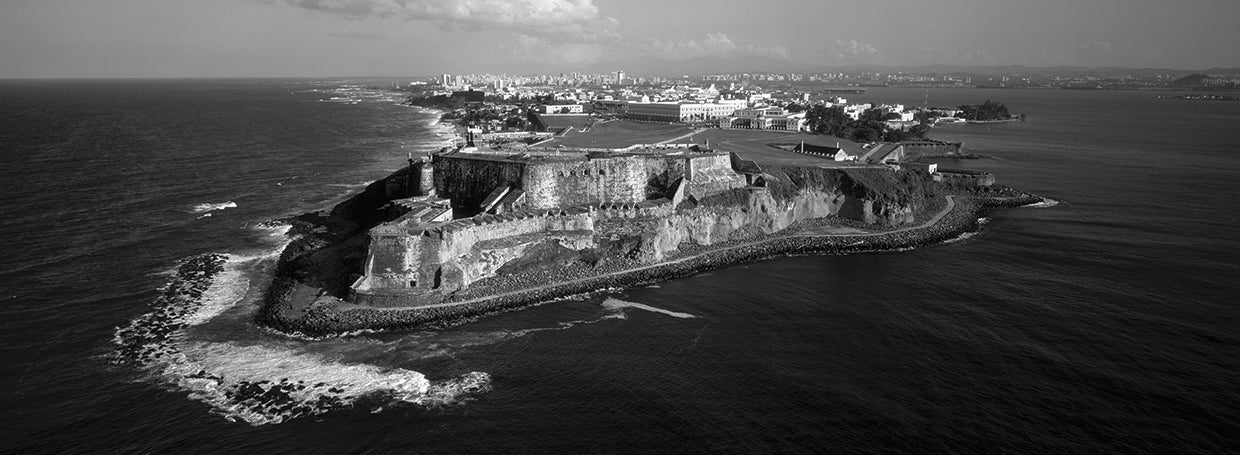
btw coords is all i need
(1106, 323)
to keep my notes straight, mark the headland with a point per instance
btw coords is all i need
(466, 232)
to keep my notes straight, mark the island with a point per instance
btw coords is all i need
(469, 231)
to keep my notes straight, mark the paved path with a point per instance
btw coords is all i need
(951, 204)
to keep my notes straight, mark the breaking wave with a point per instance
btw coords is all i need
(961, 237)
(210, 207)
(1043, 204)
(261, 384)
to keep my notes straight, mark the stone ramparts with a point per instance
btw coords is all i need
(962, 218)
(411, 263)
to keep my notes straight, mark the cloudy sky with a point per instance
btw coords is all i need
(198, 38)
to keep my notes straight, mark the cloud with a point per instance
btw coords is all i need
(713, 44)
(532, 48)
(579, 19)
(1097, 45)
(853, 51)
(357, 35)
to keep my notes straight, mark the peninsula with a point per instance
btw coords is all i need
(462, 233)
(545, 195)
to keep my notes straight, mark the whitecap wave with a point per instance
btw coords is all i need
(228, 286)
(264, 385)
(961, 237)
(1043, 204)
(261, 383)
(211, 207)
(620, 305)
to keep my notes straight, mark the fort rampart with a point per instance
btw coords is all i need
(404, 262)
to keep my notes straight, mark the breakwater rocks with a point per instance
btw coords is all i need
(145, 339)
(325, 320)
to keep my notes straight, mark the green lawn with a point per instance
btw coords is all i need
(750, 144)
(620, 133)
(755, 145)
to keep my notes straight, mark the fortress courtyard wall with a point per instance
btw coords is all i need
(467, 180)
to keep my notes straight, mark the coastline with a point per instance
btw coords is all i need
(319, 320)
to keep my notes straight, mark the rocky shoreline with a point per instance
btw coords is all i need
(321, 320)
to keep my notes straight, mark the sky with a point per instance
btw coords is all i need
(289, 38)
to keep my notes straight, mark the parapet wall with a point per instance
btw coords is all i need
(456, 237)
(964, 178)
(931, 148)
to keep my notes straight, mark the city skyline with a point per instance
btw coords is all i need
(238, 38)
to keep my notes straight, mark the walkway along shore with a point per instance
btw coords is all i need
(960, 215)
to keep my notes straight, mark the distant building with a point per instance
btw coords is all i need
(682, 112)
(561, 109)
(854, 111)
(764, 118)
(834, 153)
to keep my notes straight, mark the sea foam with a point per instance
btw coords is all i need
(619, 305)
(266, 382)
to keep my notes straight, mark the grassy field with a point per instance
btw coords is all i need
(620, 133)
(754, 145)
(750, 144)
(555, 122)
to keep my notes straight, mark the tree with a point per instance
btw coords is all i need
(866, 134)
(919, 130)
(988, 110)
(827, 120)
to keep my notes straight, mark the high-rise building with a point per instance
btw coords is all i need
(445, 80)
(620, 78)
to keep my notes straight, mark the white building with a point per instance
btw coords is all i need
(561, 109)
(671, 111)
(854, 111)
(764, 118)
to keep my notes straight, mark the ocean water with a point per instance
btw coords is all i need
(1105, 322)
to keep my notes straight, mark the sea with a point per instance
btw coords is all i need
(1104, 320)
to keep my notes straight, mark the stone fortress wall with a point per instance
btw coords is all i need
(564, 198)
(709, 174)
(412, 259)
(592, 181)
(468, 179)
(931, 148)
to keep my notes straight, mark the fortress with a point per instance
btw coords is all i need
(462, 233)
(469, 214)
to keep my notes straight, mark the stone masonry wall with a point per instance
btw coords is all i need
(403, 261)
(710, 174)
(588, 182)
(468, 180)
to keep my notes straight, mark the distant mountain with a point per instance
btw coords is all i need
(696, 66)
(1191, 80)
(763, 64)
